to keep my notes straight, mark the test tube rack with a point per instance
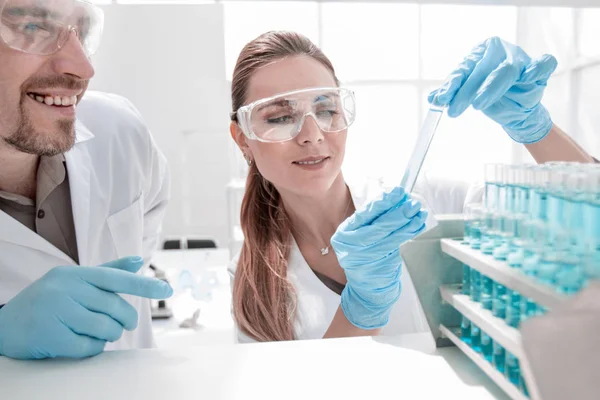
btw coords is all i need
(507, 336)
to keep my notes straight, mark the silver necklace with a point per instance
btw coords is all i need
(325, 250)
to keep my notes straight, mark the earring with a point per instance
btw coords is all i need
(248, 159)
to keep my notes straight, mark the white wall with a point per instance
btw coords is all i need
(169, 62)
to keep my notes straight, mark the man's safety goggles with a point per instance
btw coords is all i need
(42, 27)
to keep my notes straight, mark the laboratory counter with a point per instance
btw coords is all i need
(403, 367)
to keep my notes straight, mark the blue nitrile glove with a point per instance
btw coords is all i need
(367, 247)
(73, 311)
(501, 80)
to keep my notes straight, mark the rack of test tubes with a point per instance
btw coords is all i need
(532, 242)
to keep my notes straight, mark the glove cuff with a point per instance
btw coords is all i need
(531, 130)
(365, 314)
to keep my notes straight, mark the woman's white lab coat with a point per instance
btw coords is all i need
(119, 190)
(317, 304)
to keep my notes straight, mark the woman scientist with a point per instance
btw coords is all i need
(290, 119)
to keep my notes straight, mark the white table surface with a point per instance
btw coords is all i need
(404, 367)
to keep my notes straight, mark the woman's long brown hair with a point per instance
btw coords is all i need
(263, 298)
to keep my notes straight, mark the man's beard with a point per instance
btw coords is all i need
(28, 140)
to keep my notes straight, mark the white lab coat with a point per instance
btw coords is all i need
(119, 190)
(317, 304)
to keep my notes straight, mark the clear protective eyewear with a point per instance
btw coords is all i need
(280, 118)
(43, 27)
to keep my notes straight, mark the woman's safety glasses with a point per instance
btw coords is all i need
(43, 27)
(280, 118)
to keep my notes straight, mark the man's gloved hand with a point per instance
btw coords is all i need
(501, 80)
(367, 247)
(73, 311)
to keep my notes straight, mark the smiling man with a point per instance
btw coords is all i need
(83, 190)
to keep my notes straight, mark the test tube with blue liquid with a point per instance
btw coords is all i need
(528, 308)
(487, 346)
(498, 356)
(466, 282)
(570, 275)
(504, 213)
(491, 205)
(511, 368)
(523, 385)
(465, 330)
(591, 209)
(523, 178)
(499, 300)
(486, 292)
(513, 308)
(475, 282)
(556, 240)
(473, 220)
(475, 337)
(532, 246)
(535, 227)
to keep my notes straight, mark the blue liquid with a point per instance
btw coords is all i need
(548, 267)
(486, 292)
(504, 223)
(556, 211)
(528, 308)
(521, 204)
(499, 301)
(465, 330)
(511, 369)
(487, 247)
(475, 285)
(519, 233)
(513, 309)
(569, 278)
(515, 258)
(491, 195)
(540, 310)
(591, 229)
(530, 263)
(591, 266)
(466, 282)
(475, 238)
(467, 235)
(488, 235)
(498, 356)
(491, 203)
(487, 348)
(538, 204)
(574, 215)
(501, 251)
(475, 338)
(523, 385)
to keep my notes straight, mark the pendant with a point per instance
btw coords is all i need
(325, 251)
